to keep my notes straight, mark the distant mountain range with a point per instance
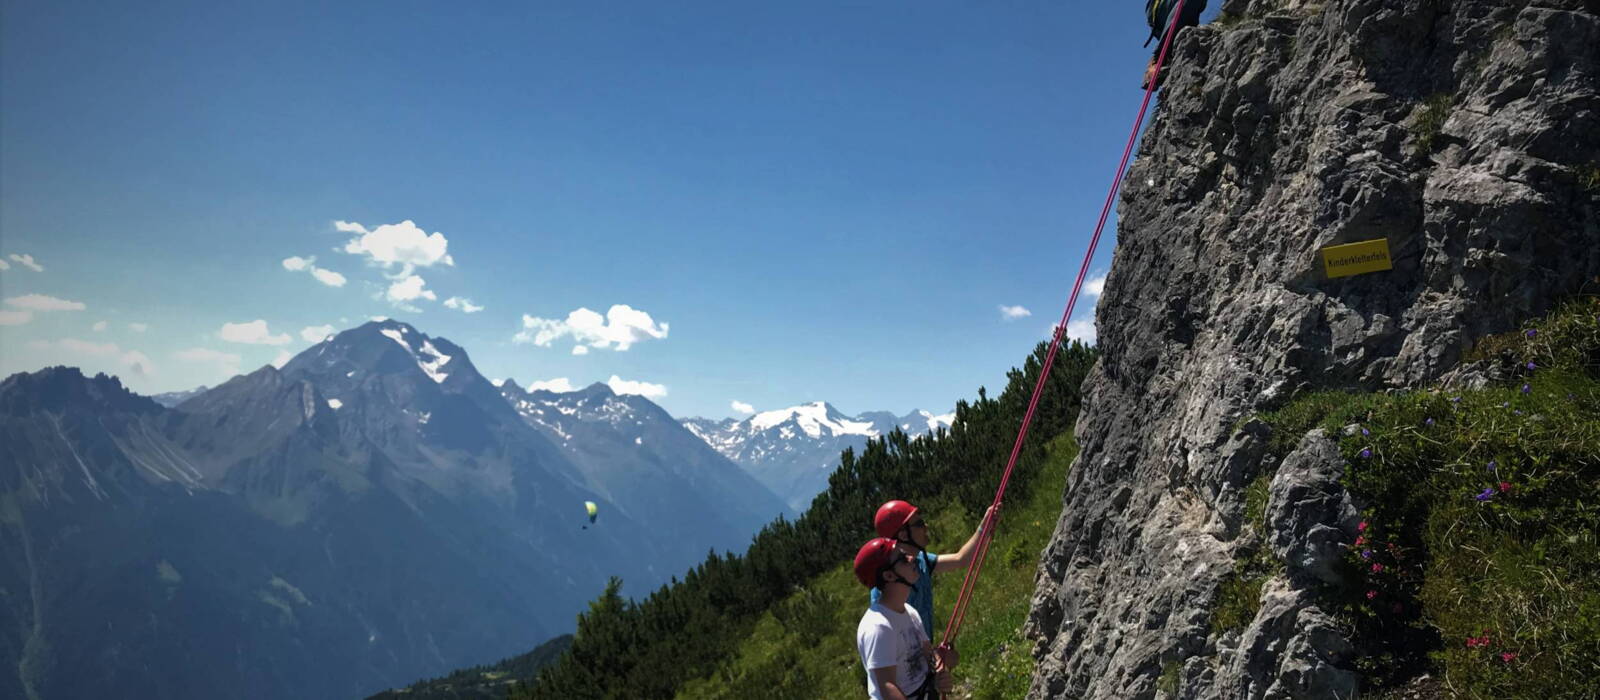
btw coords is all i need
(793, 450)
(372, 513)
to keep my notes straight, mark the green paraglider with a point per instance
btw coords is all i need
(593, 511)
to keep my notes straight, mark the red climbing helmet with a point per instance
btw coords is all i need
(891, 517)
(875, 556)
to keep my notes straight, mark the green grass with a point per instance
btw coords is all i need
(1478, 560)
(1239, 596)
(1431, 117)
(805, 646)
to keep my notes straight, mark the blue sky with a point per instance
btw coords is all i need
(777, 202)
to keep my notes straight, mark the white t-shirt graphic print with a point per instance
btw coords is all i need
(887, 638)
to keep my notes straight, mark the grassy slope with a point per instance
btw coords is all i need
(804, 647)
(1478, 562)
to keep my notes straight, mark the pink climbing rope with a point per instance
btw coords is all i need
(953, 627)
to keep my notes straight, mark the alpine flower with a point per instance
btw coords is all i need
(1526, 388)
(1366, 554)
(1362, 527)
(1428, 422)
(1377, 568)
(1532, 366)
(1508, 656)
(1505, 486)
(1488, 494)
(1366, 453)
(1532, 333)
(1371, 595)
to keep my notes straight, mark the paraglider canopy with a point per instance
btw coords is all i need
(593, 511)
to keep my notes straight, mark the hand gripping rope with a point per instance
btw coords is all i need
(953, 627)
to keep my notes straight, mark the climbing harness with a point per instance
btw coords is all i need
(953, 627)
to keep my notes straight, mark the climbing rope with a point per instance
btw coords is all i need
(953, 627)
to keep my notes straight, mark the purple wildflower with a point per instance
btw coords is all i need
(1455, 399)
(1366, 454)
(1518, 411)
(1428, 422)
(1488, 494)
(1365, 432)
(1526, 388)
(1366, 554)
(1492, 467)
(1532, 366)
(1532, 333)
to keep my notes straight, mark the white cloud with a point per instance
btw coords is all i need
(101, 326)
(253, 333)
(409, 289)
(328, 277)
(315, 334)
(379, 319)
(130, 361)
(225, 361)
(1095, 286)
(1082, 330)
(137, 363)
(40, 302)
(1012, 313)
(465, 305)
(742, 407)
(323, 275)
(580, 349)
(27, 261)
(84, 347)
(560, 385)
(4, 265)
(15, 318)
(139, 327)
(401, 243)
(645, 389)
(622, 326)
(282, 359)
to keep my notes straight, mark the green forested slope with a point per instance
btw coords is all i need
(692, 633)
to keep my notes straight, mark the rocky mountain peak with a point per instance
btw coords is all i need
(60, 389)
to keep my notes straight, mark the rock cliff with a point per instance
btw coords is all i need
(1467, 133)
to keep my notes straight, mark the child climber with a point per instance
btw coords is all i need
(1159, 13)
(895, 650)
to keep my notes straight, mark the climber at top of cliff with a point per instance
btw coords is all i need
(1158, 13)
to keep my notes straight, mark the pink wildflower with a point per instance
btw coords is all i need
(1505, 486)
(1508, 657)
(1376, 568)
(1362, 527)
(1371, 595)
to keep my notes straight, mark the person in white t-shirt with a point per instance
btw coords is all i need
(895, 650)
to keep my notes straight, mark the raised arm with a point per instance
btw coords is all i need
(962, 558)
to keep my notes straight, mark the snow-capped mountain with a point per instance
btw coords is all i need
(649, 466)
(372, 512)
(793, 450)
(171, 399)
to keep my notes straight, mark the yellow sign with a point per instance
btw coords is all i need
(1356, 258)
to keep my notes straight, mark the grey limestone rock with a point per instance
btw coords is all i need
(1462, 131)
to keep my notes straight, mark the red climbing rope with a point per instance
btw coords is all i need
(953, 627)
